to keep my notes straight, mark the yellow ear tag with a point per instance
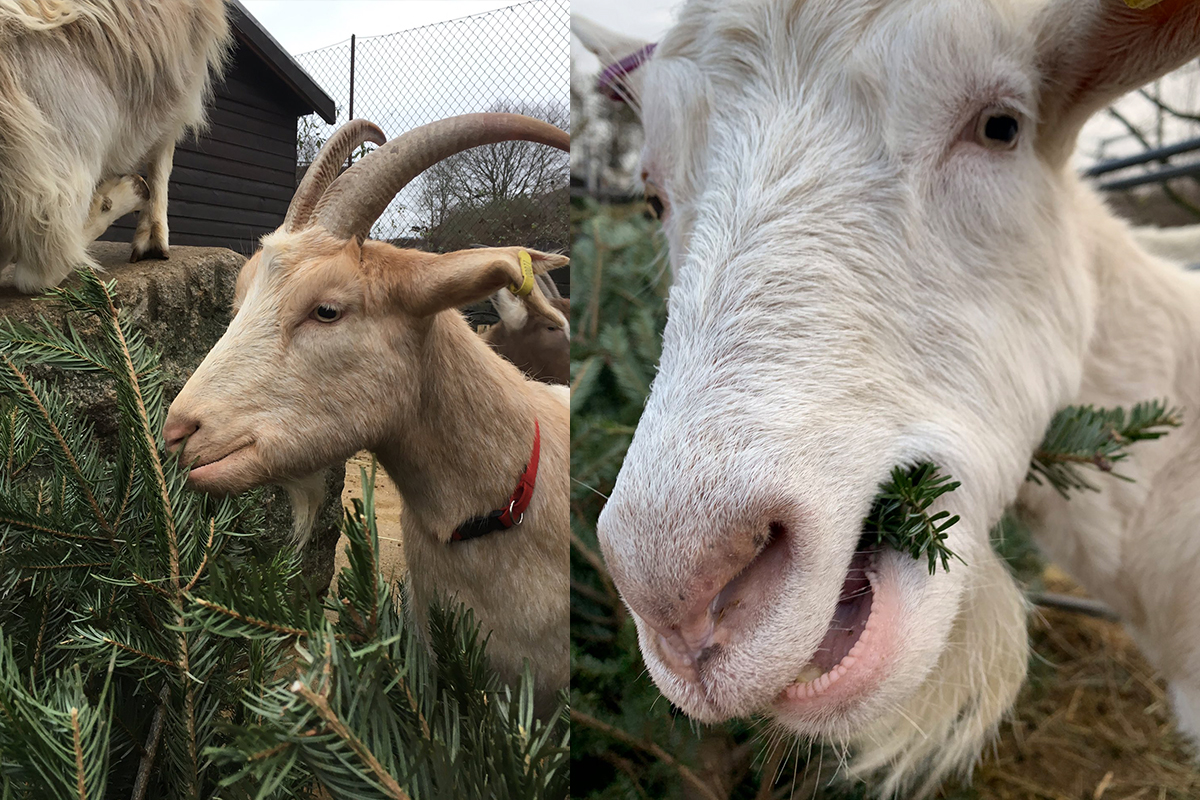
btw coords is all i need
(526, 275)
(1141, 4)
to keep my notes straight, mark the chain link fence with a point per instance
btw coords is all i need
(512, 59)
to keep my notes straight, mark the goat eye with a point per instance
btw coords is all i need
(997, 130)
(324, 313)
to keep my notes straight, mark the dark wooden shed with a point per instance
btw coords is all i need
(233, 185)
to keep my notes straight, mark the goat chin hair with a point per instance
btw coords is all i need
(306, 495)
(943, 729)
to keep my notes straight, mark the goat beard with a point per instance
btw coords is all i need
(306, 495)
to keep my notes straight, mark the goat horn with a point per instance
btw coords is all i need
(324, 168)
(549, 287)
(358, 197)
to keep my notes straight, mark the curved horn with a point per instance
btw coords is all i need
(549, 287)
(324, 169)
(356, 199)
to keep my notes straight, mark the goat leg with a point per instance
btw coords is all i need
(114, 199)
(150, 239)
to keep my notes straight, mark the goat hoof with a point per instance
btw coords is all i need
(152, 251)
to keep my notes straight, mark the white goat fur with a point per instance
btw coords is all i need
(91, 90)
(281, 396)
(859, 283)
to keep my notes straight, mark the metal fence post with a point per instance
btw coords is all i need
(353, 40)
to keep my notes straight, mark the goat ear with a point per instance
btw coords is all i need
(620, 59)
(467, 276)
(1093, 51)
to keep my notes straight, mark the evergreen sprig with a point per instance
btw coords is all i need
(900, 515)
(1085, 436)
(155, 644)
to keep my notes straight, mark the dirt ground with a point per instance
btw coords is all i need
(387, 516)
(1093, 721)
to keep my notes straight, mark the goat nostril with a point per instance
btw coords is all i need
(733, 612)
(175, 432)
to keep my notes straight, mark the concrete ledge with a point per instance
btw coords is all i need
(182, 305)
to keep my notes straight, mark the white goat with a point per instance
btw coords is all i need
(340, 343)
(881, 256)
(90, 90)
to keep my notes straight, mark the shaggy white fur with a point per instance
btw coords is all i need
(91, 90)
(881, 257)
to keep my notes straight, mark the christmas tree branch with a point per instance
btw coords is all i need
(142, 782)
(899, 516)
(255, 622)
(26, 391)
(321, 706)
(1084, 436)
(650, 748)
(80, 775)
(1078, 436)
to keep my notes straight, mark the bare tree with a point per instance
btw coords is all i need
(498, 172)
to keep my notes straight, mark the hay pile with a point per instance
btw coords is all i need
(1093, 721)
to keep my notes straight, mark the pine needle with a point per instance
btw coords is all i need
(1098, 438)
(900, 515)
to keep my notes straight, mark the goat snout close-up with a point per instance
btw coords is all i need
(897, 304)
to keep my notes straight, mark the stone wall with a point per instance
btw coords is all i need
(183, 307)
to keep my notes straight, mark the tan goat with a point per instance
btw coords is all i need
(538, 345)
(340, 343)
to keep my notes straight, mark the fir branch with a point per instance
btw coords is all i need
(142, 782)
(27, 392)
(36, 528)
(80, 775)
(650, 748)
(127, 648)
(255, 622)
(899, 516)
(1085, 436)
(321, 705)
(212, 530)
(68, 565)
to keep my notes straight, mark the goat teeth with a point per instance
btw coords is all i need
(809, 674)
(847, 662)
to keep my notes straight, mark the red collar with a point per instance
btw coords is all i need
(513, 512)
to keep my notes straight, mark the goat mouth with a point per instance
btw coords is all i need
(203, 472)
(850, 632)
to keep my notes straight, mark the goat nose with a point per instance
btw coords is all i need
(176, 430)
(684, 645)
(728, 599)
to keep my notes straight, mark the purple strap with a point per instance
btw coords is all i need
(610, 81)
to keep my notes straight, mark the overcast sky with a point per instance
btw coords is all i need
(303, 25)
(646, 19)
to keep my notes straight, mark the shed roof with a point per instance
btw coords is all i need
(251, 34)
